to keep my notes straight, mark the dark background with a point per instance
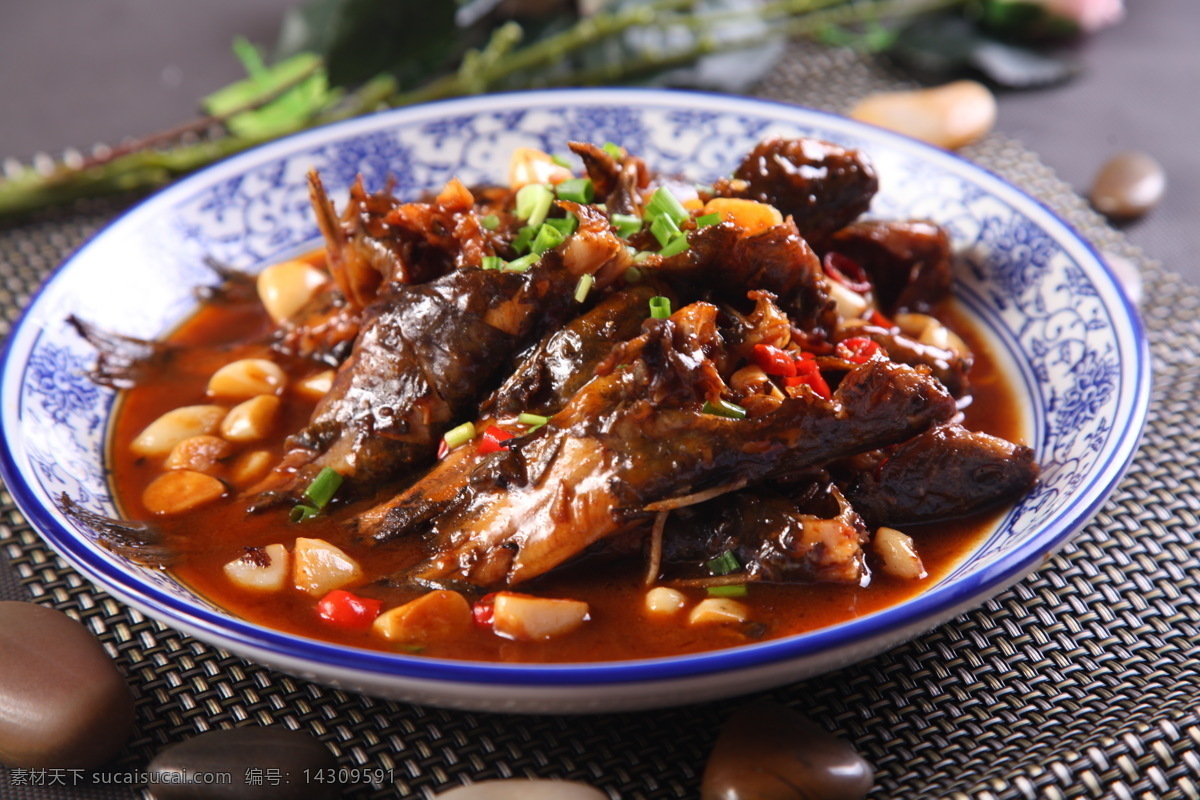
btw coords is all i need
(74, 73)
(77, 72)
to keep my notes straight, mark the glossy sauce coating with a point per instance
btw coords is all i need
(619, 627)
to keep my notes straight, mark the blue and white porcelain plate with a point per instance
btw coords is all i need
(1052, 309)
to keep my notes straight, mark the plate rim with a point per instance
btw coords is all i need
(941, 599)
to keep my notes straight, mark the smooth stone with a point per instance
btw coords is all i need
(523, 789)
(63, 702)
(1128, 185)
(768, 752)
(253, 758)
(950, 116)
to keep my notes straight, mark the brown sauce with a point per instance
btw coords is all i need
(618, 628)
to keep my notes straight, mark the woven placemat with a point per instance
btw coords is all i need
(1082, 681)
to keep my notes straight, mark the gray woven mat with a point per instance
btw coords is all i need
(1082, 681)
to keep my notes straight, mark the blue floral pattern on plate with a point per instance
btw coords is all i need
(1051, 307)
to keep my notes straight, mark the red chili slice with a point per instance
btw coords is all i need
(774, 361)
(880, 320)
(846, 271)
(484, 611)
(491, 439)
(858, 349)
(443, 449)
(809, 374)
(349, 611)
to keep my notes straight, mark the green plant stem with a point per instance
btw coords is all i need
(545, 52)
(146, 168)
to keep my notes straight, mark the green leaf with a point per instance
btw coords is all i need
(287, 110)
(413, 40)
(1023, 20)
(262, 81)
(939, 48)
(307, 28)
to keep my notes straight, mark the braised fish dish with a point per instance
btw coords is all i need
(593, 413)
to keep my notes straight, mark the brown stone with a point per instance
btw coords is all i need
(1128, 185)
(524, 789)
(63, 703)
(768, 752)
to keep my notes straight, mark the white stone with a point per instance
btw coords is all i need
(950, 116)
(524, 789)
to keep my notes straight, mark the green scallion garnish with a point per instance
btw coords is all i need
(724, 564)
(642, 256)
(576, 190)
(626, 224)
(323, 487)
(524, 239)
(532, 419)
(521, 264)
(633, 275)
(731, 590)
(583, 287)
(664, 229)
(533, 203)
(561, 160)
(660, 307)
(491, 222)
(708, 219)
(458, 436)
(613, 150)
(303, 513)
(674, 247)
(665, 204)
(548, 238)
(566, 225)
(724, 408)
(491, 262)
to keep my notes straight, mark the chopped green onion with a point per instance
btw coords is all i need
(674, 247)
(534, 421)
(613, 150)
(323, 487)
(491, 222)
(548, 238)
(524, 238)
(708, 219)
(521, 264)
(533, 203)
(642, 256)
(303, 513)
(583, 287)
(724, 408)
(492, 262)
(665, 204)
(724, 564)
(576, 190)
(633, 275)
(456, 437)
(664, 229)
(561, 160)
(566, 226)
(660, 307)
(626, 224)
(730, 590)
